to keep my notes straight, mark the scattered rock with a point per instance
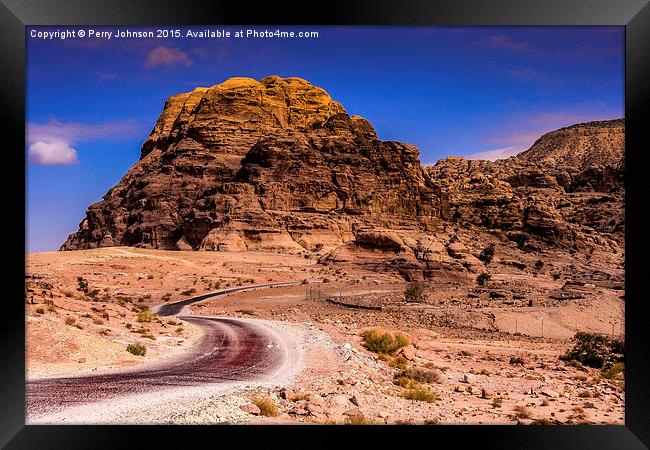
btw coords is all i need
(251, 409)
(474, 390)
(549, 393)
(486, 393)
(408, 352)
(469, 378)
(286, 394)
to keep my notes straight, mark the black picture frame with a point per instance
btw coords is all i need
(633, 14)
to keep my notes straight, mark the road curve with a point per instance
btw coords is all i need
(170, 309)
(230, 350)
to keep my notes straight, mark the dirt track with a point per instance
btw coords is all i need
(230, 350)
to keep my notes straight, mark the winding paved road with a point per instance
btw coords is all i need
(230, 350)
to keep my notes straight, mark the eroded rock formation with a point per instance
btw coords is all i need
(277, 165)
(271, 165)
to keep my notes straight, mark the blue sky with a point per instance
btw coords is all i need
(478, 92)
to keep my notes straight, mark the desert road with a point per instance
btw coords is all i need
(230, 350)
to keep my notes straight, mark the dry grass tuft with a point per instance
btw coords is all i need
(521, 412)
(420, 394)
(266, 406)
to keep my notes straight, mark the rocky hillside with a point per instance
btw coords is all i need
(278, 165)
(566, 190)
(581, 146)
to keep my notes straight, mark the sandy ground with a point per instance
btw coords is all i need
(461, 331)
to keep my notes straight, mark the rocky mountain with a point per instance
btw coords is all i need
(272, 165)
(278, 165)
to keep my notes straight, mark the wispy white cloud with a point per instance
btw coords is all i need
(497, 153)
(166, 56)
(498, 41)
(106, 75)
(54, 142)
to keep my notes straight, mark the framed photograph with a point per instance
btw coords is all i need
(380, 220)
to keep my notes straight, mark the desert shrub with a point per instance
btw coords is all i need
(595, 350)
(40, 311)
(405, 382)
(150, 277)
(415, 292)
(166, 297)
(98, 322)
(521, 412)
(517, 360)
(68, 294)
(83, 285)
(497, 402)
(70, 321)
(483, 278)
(189, 292)
(300, 396)
(137, 349)
(357, 420)
(611, 372)
(487, 254)
(179, 330)
(145, 316)
(380, 341)
(421, 375)
(266, 406)
(398, 362)
(248, 312)
(420, 394)
(543, 421)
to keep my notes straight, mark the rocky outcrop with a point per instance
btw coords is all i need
(566, 190)
(270, 165)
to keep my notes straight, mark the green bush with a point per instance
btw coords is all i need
(420, 375)
(613, 371)
(487, 254)
(483, 278)
(380, 341)
(137, 349)
(595, 350)
(415, 292)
